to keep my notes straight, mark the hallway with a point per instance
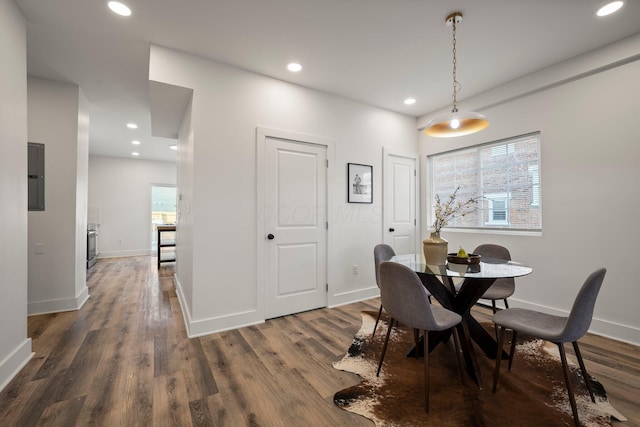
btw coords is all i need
(124, 360)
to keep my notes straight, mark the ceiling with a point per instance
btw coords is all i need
(377, 52)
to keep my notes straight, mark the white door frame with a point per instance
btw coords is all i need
(262, 133)
(153, 243)
(386, 173)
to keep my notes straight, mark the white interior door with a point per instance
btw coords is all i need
(400, 224)
(296, 191)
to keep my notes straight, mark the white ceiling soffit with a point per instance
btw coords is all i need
(168, 104)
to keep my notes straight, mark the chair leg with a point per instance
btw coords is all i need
(426, 371)
(585, 375)
(499, 351)
(377, 320)
(512, 350)
(493, 307)
(565, 371)
(416, 340)
(384, 347)
(506, 304)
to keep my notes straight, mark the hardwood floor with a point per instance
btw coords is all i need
(124, 360)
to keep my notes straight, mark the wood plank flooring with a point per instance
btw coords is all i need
(124, 360)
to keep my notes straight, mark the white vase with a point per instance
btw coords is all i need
(435, 249)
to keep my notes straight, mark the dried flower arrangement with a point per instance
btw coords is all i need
(444, 212)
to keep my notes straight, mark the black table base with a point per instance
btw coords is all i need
(469, 330)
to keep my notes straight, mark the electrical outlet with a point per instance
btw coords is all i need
(120, 242)
(355, 269)
(39, 248)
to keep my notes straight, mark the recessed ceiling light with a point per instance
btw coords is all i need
(135, 153)
(135, 142)
(173, 146)
(119, 8)
(610, 8)
(294, 67)
(132, 126)
(410, 101)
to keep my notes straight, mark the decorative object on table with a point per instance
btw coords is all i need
(537, 395)
(470, 259)
(359, 183)
(455, 123)
(462, 262)
(435, 247)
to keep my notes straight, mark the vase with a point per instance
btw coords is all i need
(435, 249)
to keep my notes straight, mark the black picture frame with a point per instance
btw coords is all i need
(359, 183)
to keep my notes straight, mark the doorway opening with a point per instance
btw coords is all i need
(163, 210)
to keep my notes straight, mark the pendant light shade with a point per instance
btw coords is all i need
(455, 123)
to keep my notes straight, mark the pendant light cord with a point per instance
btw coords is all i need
(455, 80)
(456, 123)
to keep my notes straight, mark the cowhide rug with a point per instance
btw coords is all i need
(533, 393)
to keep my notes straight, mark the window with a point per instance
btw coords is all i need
(504, 174)
(498, 209)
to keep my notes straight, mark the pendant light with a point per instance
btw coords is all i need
(455, 123)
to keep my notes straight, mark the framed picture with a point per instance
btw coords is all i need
(359, 183)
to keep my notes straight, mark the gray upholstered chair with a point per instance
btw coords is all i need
(503, 288)
(381, 253)
(556, 329)
(406, 300)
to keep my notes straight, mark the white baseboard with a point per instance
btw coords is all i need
(121, 254)
(212, 325)
(14, 362)
(184, 308)
(615, 331)
(58, 305)
(222, 323)
(353, 296)
(197, 328)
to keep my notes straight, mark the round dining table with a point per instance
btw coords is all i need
(475, 280)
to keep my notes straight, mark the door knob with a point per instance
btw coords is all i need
(270, 236)
(391, 230)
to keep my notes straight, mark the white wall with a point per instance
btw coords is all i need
(120, 192)
(15, 347)
(58, 118)
(589, 171)
(185, 231)
(228, 105)
(82, 177)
